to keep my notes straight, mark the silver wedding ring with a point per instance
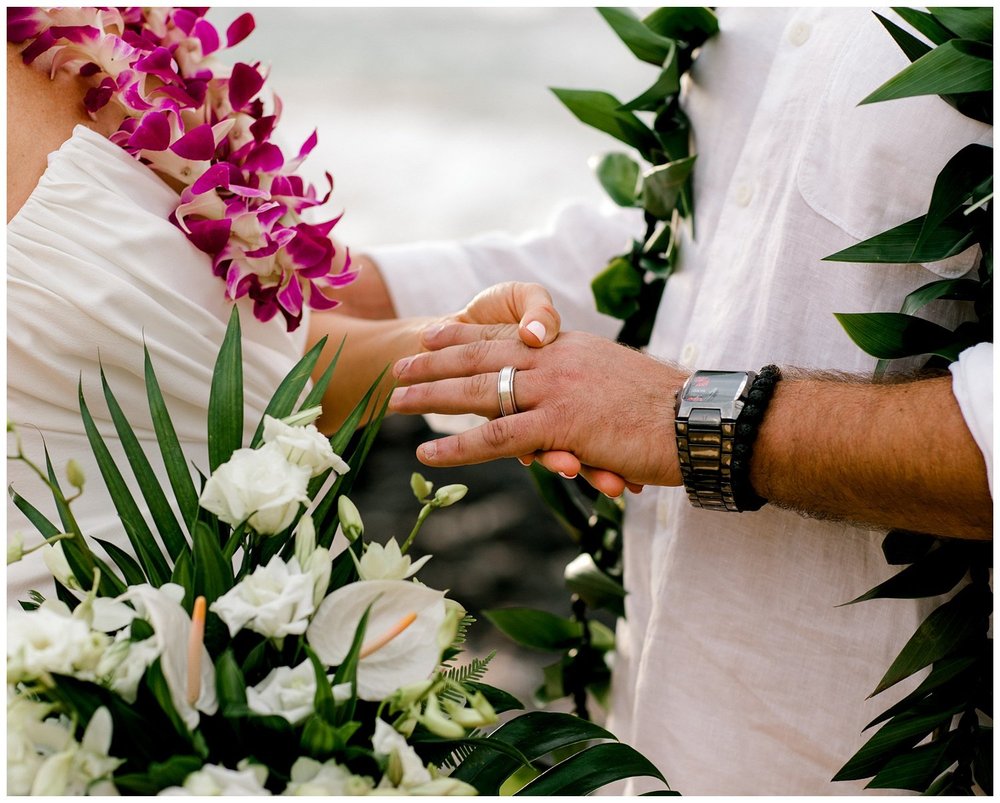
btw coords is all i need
(505, 390)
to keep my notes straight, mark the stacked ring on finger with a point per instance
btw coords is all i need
(505, 391)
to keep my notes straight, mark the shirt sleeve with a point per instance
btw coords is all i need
(436, 278)
(972, 384)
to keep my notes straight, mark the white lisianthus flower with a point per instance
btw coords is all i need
(50, 640)
(314, 561)
(444, 787)
(309, 777)
(125, 662)
(276, 600)
(407, 655)
(285, 692)
(406, 769)
(58, 566)
(26, 740)
(258, 485)
(214, 780)
(386, 562)
(80, 768)
(161, 607)
(304, 446)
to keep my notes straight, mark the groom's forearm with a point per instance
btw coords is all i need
(367, 296)
(889, 455)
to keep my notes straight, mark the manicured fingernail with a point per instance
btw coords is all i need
(566, 476)
(431, 330)
(537, 328)
(401, 366)
(397, 396)
(525, 461)
(428, 450)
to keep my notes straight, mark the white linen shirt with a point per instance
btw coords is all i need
(736, 671)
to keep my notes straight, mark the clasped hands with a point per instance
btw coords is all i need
(585, 404)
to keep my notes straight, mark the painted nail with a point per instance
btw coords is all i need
(525, 461)
(566, 476)
(401, 366)
(397, 396)
(537, 328)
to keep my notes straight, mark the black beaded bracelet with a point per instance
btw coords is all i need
(747, 427)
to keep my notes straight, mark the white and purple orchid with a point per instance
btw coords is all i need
(207, 129)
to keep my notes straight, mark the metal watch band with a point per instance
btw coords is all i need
(705, 451)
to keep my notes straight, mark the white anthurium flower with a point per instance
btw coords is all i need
(406, 768)
(259, 486)
(304, 446)
(213, 780)
(276, 600)
(51, 640)
(400, 645)
(310, 777)
(161, 607)
(285, 692)
(386, 562)
(81, 768)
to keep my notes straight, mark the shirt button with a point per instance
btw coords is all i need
(744, 192)
(799, 33)
(689, 354)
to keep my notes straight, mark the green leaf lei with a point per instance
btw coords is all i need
(938, 739)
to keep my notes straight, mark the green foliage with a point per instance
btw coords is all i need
(536, 629)
(619, 175)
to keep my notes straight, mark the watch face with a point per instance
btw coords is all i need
(715, 386)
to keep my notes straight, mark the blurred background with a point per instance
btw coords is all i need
(438, 123)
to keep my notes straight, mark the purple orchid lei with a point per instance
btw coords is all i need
(208, 128)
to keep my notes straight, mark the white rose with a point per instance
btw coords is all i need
(214, 780)
(285, 692)
(50, 640)
(309, 777)
(275, 601)
(259, 485)
(304, 446)
(386, 562)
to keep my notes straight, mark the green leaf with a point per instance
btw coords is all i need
(691, 23)
(320, 385)
(170, 448)
(894, 738)
(947, 628)
(899, 244)
(915, 769)
(968, 175)
(891, 335)
(562, 503)
(157, 684)
(902, 546)
(498, 698)
(602, 111)
(926, 24)
(159, 775)
(968, 23)
(982, 760)
(908, 43)
(645, 44)
(590, 769)
(130, 570)
(535, 734)
(667, 84)
(149, 484)
(323, 703)
(539, 630)
(213, 574)
(183, 575)
(225, 399)
(661, 186)
(619, 175)
(951, 289)
(139, 535)
(347, 672)
(616, 289)
(584, 577)
(936, 573)
(229, 683)
(950, 671)
(283, 401)
(959, 65)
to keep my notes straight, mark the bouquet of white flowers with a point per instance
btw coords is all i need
(237, 651)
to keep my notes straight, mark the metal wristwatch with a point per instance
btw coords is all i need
(705, 424)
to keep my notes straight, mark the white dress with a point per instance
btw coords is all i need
(94, 270)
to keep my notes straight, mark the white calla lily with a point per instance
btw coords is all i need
(161, 607)
(401, 638)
